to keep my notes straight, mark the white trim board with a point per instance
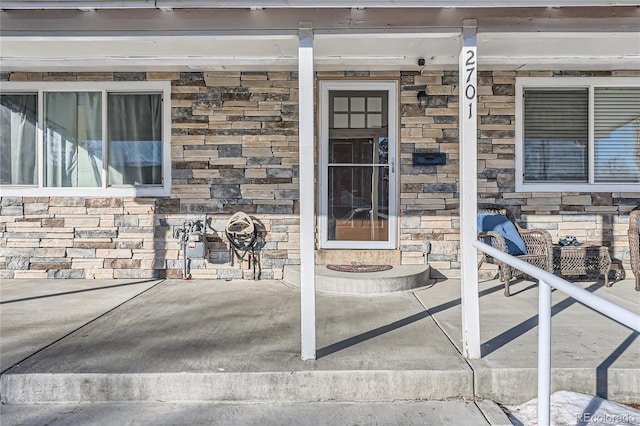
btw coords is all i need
(392, 87)
(560, 83)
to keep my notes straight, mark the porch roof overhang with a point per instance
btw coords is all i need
(181, 4)
(215, 39)
(357, 52)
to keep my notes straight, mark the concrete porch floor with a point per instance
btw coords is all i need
(203, 341)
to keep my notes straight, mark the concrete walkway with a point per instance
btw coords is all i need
(215, 343)
(36, 313)
(590, 353)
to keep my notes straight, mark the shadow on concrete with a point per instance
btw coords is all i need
(527, 325)
(602, 379)
(352, 341)
(601, 371)
(65, 293)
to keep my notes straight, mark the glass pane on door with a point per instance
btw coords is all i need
(359, 151)
(358, 203)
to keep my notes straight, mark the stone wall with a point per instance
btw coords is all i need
(429, 194)
(76, 237)
(235, 148)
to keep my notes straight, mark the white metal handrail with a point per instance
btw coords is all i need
(546, 281)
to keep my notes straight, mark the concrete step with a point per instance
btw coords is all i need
(399, 278)
(284, 386)
(423, 413)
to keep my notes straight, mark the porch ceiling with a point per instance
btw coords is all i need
(588, 38)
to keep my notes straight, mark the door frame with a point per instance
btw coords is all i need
(391, 86)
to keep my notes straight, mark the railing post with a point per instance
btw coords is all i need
(544, 353)
(546, 280)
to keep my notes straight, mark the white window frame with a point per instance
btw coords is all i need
(560, 83)
(163, 87)
(392, 87)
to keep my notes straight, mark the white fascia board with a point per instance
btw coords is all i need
(401, 63)
(82, 5)
(257, 4)
(143, 64)
(387, 34)
(383, 3)
(545, 62)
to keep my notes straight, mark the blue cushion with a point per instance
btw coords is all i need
(500, 224)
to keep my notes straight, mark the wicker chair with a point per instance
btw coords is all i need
(634, 244)
(538, 242)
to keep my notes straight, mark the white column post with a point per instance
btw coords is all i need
(544, 353)
(468, 101)
(307, 191)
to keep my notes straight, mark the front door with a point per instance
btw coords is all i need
(358, 136)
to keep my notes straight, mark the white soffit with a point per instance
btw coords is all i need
(148, 53)
(382, 51)
(561, 50)
(133, 47)
(398, 51)
(258, 4)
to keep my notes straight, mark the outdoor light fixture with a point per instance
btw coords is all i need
(422, 99)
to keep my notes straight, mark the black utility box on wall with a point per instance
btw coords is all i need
(429, 159)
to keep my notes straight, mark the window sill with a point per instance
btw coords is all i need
(578, 187)
(134, 192)
(358, 245)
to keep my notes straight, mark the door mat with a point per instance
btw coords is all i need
(359, 268)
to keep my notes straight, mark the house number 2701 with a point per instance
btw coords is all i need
(470, 83)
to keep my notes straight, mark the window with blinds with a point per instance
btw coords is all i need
(582, 136)
(556, 135)
(617, 134)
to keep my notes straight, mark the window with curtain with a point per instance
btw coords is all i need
(102, 138)
(579, 138)
(18, 132)
(135, 139)
(73, 139)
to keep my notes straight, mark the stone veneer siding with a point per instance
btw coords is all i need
(429, 197)
(235, 148)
